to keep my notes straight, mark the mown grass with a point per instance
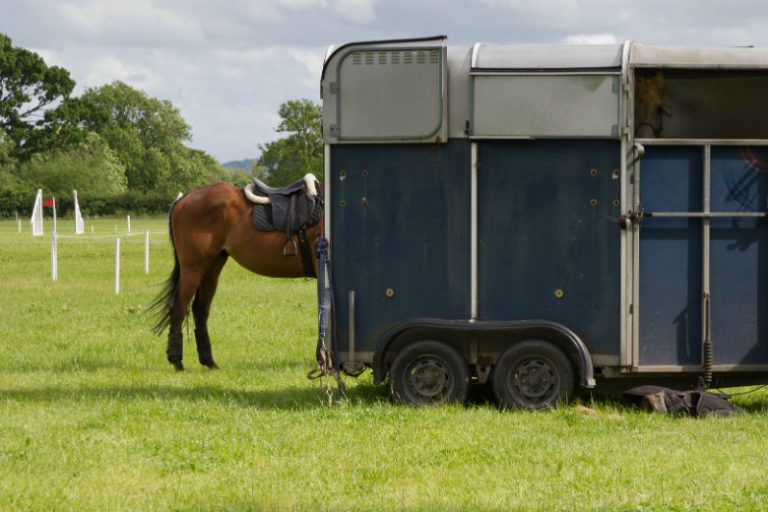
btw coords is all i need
(93, 418)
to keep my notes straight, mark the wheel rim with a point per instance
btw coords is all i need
(534, 381)
(428, 379)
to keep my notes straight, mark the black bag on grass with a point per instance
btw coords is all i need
(689, 403)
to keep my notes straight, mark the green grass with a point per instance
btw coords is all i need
(93, 418)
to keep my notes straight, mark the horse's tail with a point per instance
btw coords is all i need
(163, 303)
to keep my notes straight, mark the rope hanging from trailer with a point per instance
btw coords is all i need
(324, 355)
(707, 353)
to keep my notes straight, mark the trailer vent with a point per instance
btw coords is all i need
(383, 58)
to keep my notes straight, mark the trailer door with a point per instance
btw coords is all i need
(702, 256)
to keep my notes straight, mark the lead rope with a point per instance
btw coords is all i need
(324, 356)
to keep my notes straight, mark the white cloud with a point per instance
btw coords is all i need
(355, 11)
(301, 5)
(138, 22)
(312, 60)
(108, 69)
(591, 39)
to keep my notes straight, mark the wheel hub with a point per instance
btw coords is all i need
(429, 378)
(534, 378)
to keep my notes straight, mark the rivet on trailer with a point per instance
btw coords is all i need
(547, 218)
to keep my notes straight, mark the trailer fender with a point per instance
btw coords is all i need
(520, 329)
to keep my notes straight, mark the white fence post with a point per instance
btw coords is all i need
(129, 223)
(146, 252)
(117, 266)
(54, 258)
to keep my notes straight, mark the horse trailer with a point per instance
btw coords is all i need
(546, 218)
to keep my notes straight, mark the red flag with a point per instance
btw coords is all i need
(49, 203)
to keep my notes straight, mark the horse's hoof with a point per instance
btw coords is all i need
(212, 365)
(178, 366)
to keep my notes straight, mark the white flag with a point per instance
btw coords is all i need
(37, 214)
(79, 225)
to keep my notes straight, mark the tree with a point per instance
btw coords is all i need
(28, 90)
(147, 134)
(91, 168)
(289, 158)
(7, 161)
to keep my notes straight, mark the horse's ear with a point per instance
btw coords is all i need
(658, 81)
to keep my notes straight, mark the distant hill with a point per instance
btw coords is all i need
(240, 164)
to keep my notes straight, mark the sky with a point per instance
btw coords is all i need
(227, 65)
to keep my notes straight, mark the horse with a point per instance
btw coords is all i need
(649, 105)
(210, 224)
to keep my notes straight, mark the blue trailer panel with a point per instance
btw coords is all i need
(404, 220)
(670, 257)
(548, 236)
(739, 252)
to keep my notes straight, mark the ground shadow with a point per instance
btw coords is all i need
(312, 396)
(289, 398)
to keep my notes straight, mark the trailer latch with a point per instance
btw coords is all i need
(632, 217)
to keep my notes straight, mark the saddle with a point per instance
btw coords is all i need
(288, 209)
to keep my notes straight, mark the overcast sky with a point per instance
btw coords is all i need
(227, 65)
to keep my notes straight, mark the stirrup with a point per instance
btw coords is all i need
(295, 247)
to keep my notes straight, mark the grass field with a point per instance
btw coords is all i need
(93, 418)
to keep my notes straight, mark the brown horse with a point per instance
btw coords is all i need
(207, 226)
(649, 104)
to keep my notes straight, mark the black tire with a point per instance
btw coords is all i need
(533, 375)
(428, 373)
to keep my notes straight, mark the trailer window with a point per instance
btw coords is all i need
(701, 104)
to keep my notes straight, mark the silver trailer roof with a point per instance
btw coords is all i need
(545, 57)
(643, 56)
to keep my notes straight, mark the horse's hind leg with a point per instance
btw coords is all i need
(189, 280)
(201, 308)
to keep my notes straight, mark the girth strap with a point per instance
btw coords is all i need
(306, 254)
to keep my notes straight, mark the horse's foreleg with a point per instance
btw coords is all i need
(201, 308)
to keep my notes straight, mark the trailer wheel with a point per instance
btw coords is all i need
(428, 373)
(533, 375)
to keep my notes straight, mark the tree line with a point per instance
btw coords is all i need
(118, 147)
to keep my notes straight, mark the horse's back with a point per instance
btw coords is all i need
(211, 198)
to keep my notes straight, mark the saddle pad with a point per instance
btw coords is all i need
(262, 216)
